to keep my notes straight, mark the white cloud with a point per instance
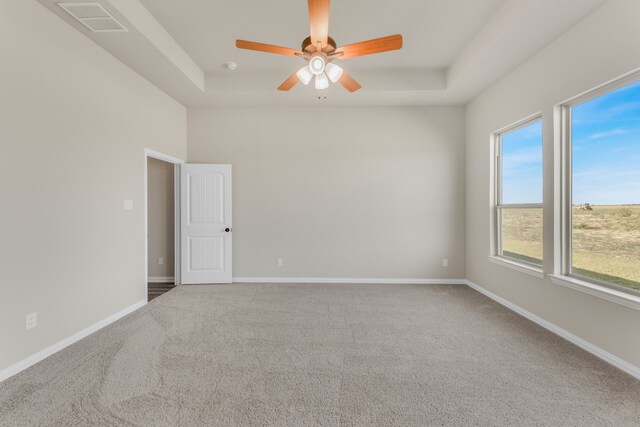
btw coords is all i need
(607, 134)
(522, 161)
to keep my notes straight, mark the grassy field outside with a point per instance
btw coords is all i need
(606, 241)
(522, 234)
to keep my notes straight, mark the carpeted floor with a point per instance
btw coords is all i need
(305, 354)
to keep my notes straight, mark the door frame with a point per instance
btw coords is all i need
(176, 214)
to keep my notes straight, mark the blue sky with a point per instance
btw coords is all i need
(606, 153)
(522, 165)
(606, 148)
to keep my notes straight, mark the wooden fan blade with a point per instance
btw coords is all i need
(349, 82)
(269, 48)
(319, 22)
(289, 83)
(383, 44)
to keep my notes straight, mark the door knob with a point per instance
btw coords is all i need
(227, 229)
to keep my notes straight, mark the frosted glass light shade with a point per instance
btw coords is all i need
(334, 72)
(322, 82)
(316, 65)
(305, 75)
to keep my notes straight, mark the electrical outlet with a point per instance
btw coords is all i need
(160, 260)
(445, 262)
(128, 205)
(31, 321)
(279, 262)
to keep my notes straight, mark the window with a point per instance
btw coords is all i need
(601, 200)
(518, 193)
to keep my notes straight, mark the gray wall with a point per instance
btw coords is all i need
(73, 126)
(340, 192)
(602, 47)
(160, 206)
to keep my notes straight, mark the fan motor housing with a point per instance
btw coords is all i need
(308, 47)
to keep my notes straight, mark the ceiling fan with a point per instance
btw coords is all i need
(320, 50)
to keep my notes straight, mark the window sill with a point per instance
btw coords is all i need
(612, 295)
(518, 266)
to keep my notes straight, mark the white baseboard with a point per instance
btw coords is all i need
(585, 345)
(54, 348)
(348, 280)
(161, 279)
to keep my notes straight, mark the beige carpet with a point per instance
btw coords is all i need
(321, 355)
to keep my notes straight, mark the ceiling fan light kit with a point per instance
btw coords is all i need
(319, 50)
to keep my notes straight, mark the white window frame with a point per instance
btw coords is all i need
(562, 274)
(497, 205)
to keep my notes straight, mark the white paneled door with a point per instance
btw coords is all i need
(205, 223)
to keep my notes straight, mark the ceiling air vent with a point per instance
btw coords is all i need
(93, 16)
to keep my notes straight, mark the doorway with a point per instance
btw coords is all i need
(161, 219)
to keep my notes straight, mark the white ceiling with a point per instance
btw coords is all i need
(434, 30)
(453, 49)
